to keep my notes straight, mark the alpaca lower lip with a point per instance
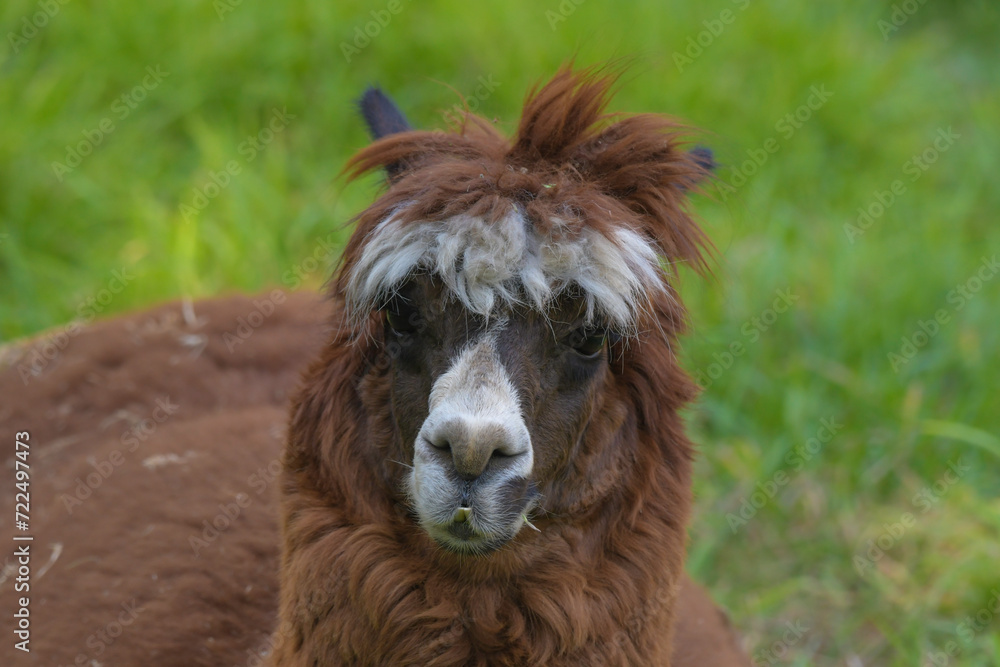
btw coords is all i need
(463, 538)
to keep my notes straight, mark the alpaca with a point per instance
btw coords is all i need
(486, 465)
(156, 449)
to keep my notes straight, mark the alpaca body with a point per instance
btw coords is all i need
(118, 580)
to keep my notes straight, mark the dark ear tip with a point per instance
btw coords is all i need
(704, 157)
(381, 114)
(372, 98)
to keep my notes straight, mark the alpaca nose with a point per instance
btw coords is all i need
(475, 444)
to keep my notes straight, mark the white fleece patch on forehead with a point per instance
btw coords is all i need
(504, 263)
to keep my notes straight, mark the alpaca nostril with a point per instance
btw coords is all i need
(439, 443)
(475, 446)
(470, 464)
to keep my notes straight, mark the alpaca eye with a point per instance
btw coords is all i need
(402, 317)
(588, 342)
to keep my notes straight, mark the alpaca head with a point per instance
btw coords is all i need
(511, 284)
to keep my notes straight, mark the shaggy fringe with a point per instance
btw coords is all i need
(571, 171)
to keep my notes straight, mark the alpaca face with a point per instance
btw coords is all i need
(504, 401)
(491, 406)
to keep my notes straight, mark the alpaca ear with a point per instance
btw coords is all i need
(381, 114)
(383, 118)
(704, 158)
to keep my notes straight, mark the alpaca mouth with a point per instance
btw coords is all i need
(463, 538)
(479, 528)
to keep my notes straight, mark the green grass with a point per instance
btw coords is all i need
(827, 356)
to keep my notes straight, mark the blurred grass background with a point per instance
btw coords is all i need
(833, 550)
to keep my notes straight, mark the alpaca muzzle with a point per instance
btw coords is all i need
(472, 460)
